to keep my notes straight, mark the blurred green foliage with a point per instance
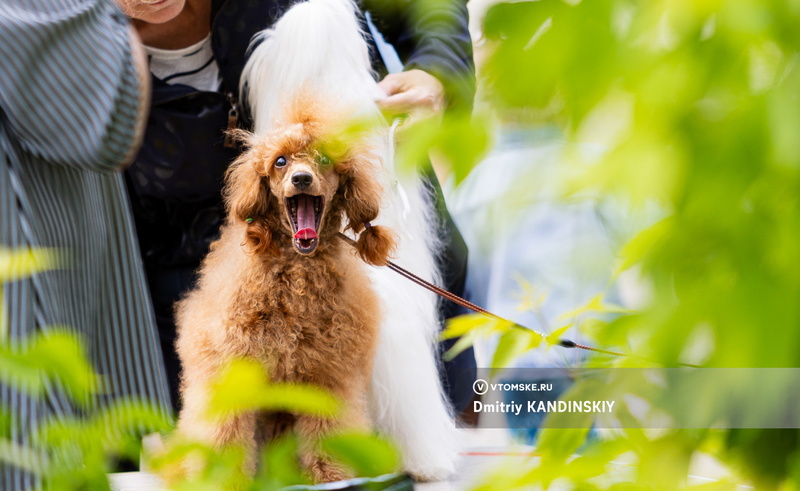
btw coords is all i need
(243, 386)
(75, 452)
(228, 398)
(78, 451)
(696, 105)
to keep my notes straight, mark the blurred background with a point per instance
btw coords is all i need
(635, 188)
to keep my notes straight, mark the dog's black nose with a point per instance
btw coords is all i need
(302, 180)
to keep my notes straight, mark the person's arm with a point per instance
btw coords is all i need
(69, 91)
(432, 37)
(142, 69)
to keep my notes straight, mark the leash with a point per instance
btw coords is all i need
(564, 343)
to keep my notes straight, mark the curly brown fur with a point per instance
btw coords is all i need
(375, 245)
(308, 314)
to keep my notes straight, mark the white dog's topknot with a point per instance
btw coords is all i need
(316, 47)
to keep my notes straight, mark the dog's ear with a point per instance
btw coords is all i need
(248, 200)
(375, 245)
(362, 200)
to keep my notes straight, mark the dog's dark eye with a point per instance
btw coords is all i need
(324, 160)
(280, 162)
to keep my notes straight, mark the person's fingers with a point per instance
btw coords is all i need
(394, 83)
(415, 93)
(401, 103)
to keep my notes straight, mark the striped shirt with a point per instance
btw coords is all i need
(69, 100)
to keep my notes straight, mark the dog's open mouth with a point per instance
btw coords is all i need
(305, 213)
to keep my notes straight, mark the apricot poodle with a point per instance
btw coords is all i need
(281, 288)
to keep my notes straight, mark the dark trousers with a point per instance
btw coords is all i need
(167, 286)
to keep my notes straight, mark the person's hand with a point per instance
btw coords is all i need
(414, 93)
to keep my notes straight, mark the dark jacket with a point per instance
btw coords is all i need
(176, 180)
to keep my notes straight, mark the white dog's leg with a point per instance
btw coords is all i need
(407, 400)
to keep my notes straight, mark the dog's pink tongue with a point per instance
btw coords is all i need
(305, 234)
(306, 219)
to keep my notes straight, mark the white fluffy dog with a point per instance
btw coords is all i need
(318, 46)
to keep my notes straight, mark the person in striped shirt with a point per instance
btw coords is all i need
(72, 98)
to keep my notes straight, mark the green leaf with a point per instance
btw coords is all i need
(642, 244)
(464, 342)
(470, 327)
(559, 444)
(511, 345)
(414, 143)
(304, 399)
(131, 415)
(461, 325)
(280, 465)
(510, 473)
(23, 263)
(21, 372)
(244, 386)
(462, 141)
(63, 356)
(530, 297)
(367, 455)
(595, 304)
(555, 336)
(212, 468)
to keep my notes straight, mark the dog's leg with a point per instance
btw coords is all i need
(221, 433)
(322, 469)
(311, 428)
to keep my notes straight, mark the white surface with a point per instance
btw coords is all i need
(135, 481)
(487, 448)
